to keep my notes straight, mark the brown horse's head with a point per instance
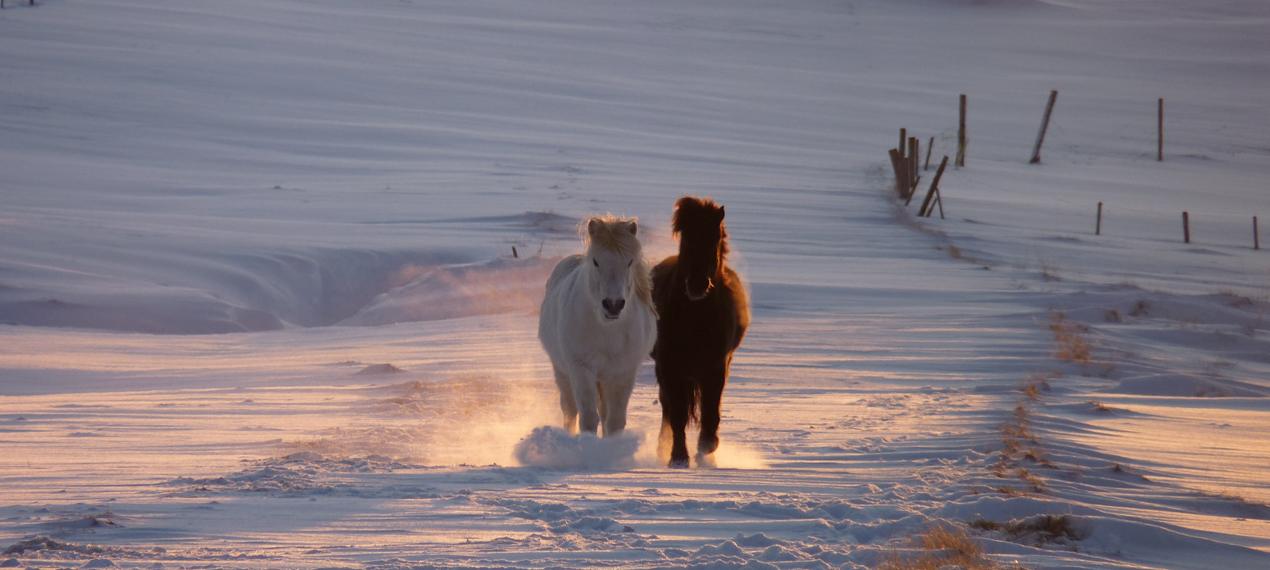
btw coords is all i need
(698, 222)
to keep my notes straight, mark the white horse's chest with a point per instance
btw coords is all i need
(616, 345)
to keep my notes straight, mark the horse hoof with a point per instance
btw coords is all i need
(678, 463)
(706, 447)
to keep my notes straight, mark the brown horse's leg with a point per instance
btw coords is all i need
(711, 400)
(674, 397)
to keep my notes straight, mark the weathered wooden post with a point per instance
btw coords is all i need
(1256, 239)
(1045, 123)
(903, 141)
(1098, 224)
(1159, 149)
(929, 145)
(912, 163)
(961, 134)
(897, 164)
(1186, 227)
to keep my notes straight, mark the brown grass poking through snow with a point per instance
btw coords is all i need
(1070, 337)
(943, 546)
(1036, 531)
(1019, 444)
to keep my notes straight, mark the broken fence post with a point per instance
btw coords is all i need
(897, 164)
(1045, 123)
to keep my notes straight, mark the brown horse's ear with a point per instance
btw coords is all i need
(593, 226)
(631, 226)
(721, 212)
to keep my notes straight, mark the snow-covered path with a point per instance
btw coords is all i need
(333, 188)
(847, 424)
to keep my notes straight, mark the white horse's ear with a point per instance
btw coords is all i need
(593, 226)
(631, 226)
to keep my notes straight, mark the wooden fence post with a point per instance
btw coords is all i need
(912, 163)
(1186, 227)
(1045, 123)
(961, 133)
(1256, 238)
(1159, 150)
(903, 141)
(897, 164)
(934, 185)
(929, 145)
(1098, 224)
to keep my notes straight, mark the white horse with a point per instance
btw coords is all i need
(598, 324)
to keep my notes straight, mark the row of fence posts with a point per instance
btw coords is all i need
(904, 160)
(29, 3)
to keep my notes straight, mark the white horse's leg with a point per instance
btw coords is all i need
(586, 395)
(616, 396)
(568, 407)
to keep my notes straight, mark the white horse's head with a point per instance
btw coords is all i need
(615, 262)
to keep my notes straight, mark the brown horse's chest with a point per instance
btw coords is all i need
(703, 327)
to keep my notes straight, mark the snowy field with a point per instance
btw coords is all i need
(259, 309)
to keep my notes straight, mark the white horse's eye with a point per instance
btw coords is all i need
(595, 262)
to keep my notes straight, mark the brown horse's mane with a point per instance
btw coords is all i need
(692, 212)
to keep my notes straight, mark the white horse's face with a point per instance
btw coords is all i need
(612, 281)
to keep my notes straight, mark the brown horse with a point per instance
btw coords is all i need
(702, 316)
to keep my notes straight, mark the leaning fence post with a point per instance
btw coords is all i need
(961, 133)
(1098, 224)
(1045, 123)
(1186, 227)
(929, 145)
(934, 183)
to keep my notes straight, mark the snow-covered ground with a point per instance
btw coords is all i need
(260, 310)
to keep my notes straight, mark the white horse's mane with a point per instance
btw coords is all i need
(613, 233)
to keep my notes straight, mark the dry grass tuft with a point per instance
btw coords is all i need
(1032, 392)
(1037, 531)
(945, 546)
(1070, 337)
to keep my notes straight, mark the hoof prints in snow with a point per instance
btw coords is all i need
(305, 473)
